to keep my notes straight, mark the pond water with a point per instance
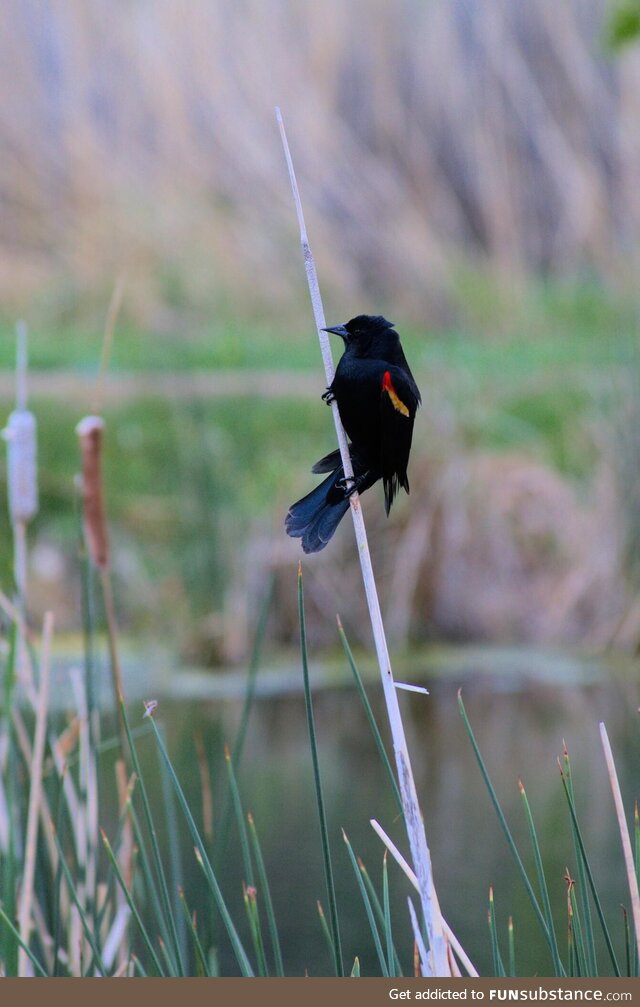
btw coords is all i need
(520, 723)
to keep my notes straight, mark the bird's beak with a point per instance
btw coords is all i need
(338, 330)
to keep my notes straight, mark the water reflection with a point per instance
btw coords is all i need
(520, 733)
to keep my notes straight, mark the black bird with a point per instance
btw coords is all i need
(377, 398)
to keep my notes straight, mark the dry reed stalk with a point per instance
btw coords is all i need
(26, 894)
(75, 937)
(125, 857)
(413, 818)
(632, 877)
(88, 777)
(125, 789)
(24, 743)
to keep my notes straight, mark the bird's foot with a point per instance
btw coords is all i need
(350, 484)
(328, 396)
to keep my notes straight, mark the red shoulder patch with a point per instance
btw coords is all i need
(396, 401)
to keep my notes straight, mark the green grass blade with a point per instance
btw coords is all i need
(145, 865)
(134, 911)
(250, 890)
(249, 696)
(137, 964)
(253, 916)
(355, 971)
(240, 819)
(368, 908)
(583, 890)
(387, 917)
(263, 883)
(581, 966)
(505, 828)
(571, 951)
(589, 873)
(542, 882)
(167, 909)
(378, 910)
(498, 966)
(326, 851)
(175, 859)
(203, 860)
(627, 941)
(325, 927)
(168, 960)
(201, 958)
(18, 939)
(377, 737)
(512, 948)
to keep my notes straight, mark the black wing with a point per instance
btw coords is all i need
(399, 400)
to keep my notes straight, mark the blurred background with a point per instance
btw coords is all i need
(468, 169)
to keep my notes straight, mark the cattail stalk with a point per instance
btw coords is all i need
(22, 479)
(439, 961)
(90, 430)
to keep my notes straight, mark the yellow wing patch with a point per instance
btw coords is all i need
(396, 401)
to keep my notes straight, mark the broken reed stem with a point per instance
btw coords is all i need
(404, 866)
(632, 877)
(26, 894)
(412, 815)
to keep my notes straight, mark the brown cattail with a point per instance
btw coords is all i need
(90, 430)
(22, 472)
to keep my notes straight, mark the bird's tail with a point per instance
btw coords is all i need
(315, 518)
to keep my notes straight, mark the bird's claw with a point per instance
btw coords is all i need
(328, 397)
(348, 485)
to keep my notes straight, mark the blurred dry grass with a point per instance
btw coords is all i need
(140, 136)
(446, 152)
(492, 548)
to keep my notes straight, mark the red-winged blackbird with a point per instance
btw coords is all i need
(377, 399)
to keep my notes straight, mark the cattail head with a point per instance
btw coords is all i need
(90, 431)
(22, 472)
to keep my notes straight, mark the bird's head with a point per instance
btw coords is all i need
(359, 332)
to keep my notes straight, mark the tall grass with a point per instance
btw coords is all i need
(587, 924)
(106, 902)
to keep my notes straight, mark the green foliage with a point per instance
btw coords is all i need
(581, 957)
(623, 27)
